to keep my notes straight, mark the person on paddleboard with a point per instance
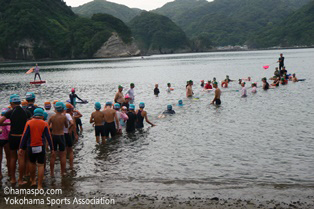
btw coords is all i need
(281, 61)
(36, 70)
(73, 97)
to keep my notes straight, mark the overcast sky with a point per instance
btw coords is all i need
(141, 4)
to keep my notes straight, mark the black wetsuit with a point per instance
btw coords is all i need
(31, 108)
(169, 112)
(130, 124)
(18, 117)
(126, 105)
(73, 99)
(266, 86)
(156, 91)
(140, 119)
(281, 62)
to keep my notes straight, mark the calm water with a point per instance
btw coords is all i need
(255, 145)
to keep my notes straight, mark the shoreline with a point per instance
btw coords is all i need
(3, 61)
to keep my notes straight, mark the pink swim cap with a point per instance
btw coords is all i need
(127, 96)
(73, 90)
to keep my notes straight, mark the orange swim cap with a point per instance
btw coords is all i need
(24, 103)
(69, 106)
(55, 101)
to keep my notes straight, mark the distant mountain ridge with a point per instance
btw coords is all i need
(295, 30)
(156, 33)
(102, 6)
(228, 22)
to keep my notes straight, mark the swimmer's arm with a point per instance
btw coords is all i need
(117, 120)
(146, 119)
(91, 120)
(2, 121)
(79, 115)
(79, 98)
(116, 97)
(215, 98)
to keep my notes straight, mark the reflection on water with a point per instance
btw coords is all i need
(263, 140)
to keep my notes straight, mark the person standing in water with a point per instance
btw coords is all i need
(97, 119)
(156, 90)
(73, 97)
(131, 94)
(141, 114)
(217, 94)
(265, 84)
(294, 78)
(58, 122)
(36, 70)
(243, 91)
(130, 123)
(36, 133)
(119, 98)
(111, 120)
(281, 61)
(202, 83)
(254, 88)
(189, 90)
(18, 117)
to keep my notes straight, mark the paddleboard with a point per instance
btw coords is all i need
(30, 71)
(37, 82)
(79, 101)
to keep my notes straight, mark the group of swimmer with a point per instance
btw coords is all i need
(26, 130)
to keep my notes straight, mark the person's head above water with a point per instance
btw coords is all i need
(214, 79)
(180, 102)
(156, 85)
(59, 106)
(47, 105)
(132, 107)
(116, 106)
(227, 76)
(30, 96)
(215, 84)
(243, 84)
(97, 106)
(69, 107)
(127, 98)
(141, 105)
(120, 88)
(168, 84)
(15, 99)
(73, 90)
(24, 103)
(38, 112)
(169, 107)
(132, 85)
(108, 104)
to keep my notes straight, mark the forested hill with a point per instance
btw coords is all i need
(295, 30)
(229, 22)
(37, 29)
(102, 6)
(158, 34)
